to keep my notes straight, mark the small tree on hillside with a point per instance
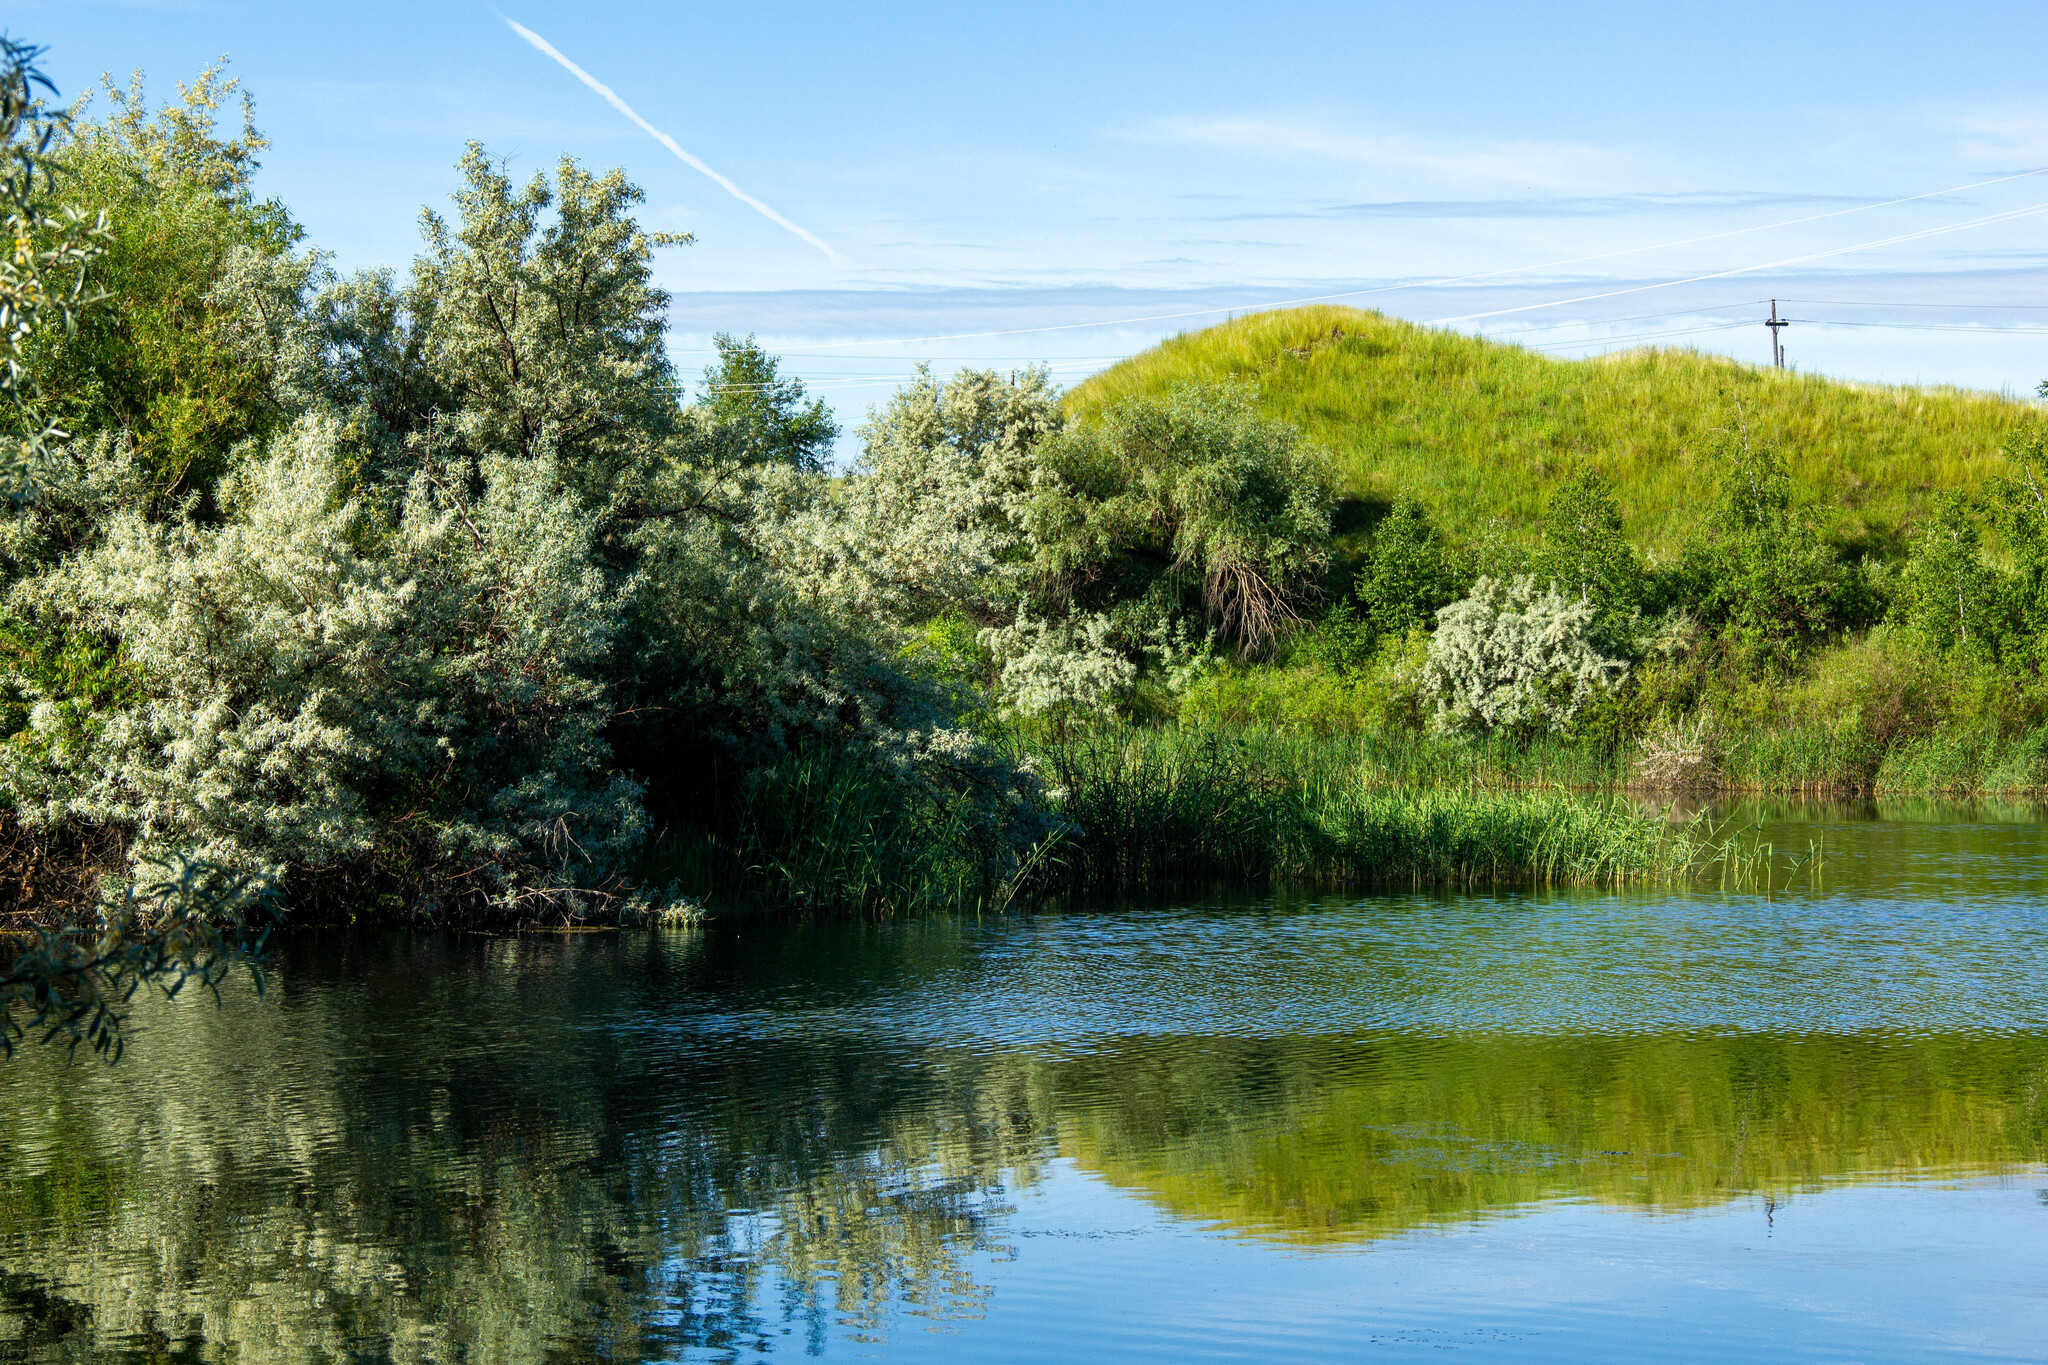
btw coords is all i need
(1947, 592)
(1585, 551)
(1409, 574)
(2019, 507)
(763, 413)
(1759, 571)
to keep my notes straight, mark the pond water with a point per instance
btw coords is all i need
(1700, 1125)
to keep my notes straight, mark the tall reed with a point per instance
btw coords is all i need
(827, 829)
(1151, 807)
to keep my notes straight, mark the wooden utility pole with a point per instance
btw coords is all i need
(1777, 346)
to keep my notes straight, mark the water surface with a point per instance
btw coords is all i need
(1808, 1125)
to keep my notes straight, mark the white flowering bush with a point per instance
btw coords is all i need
(1511, 657)
(318, 694)
(1059, 667)
(934, 509)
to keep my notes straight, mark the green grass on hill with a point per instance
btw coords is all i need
(1477, 429)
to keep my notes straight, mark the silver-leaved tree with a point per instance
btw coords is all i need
(487, 601)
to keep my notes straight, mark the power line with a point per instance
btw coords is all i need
(889, 359)
(1885, 303)
(1496, 274)
(820, 383)
(841, 380)
(2007, 216)
(1608, 322)
(1642, 337)
(1927, 327)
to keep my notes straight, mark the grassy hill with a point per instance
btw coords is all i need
(1477, 429)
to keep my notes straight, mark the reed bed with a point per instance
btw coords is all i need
(1158, 807)
(1139, 809)
(824, 830)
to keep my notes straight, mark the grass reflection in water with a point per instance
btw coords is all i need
(722, 1143)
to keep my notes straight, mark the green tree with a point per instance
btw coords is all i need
(1409, 573)
(542, 323)
(153, 359)
(43, 271)
(761, 414)
(1585, 551)
(1760, 572)
(2019, 509)
(1947, 593)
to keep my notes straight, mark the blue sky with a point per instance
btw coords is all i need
(982, 169)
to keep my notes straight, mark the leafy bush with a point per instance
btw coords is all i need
(438, 699)
(1947, 593)
(938, 500)
(1192, 501)
(1060, 668)
(42, 274)
(1760, 573)
(1408, 576)
(2019, 506)
(1510, 657)
(1310, 699)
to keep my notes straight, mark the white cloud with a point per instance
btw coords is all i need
(2003, 135)
(1557, 166)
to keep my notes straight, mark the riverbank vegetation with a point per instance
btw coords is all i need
(433, 593)
(1155, 806)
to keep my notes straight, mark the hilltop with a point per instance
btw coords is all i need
(1477, 429)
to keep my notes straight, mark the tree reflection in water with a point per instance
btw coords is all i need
(641, 1145)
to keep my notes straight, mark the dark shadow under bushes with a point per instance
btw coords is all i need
(53, 875)
(830, 828)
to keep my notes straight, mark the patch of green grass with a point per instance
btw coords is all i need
(1477, 430)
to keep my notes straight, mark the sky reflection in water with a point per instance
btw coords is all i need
(1572, 1127)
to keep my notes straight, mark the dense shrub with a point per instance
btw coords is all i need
(939, 499)
(1511, 657)
(1760, 573)
(487, 598)
(1384, 694)
(1189, 503)
(1409, 574)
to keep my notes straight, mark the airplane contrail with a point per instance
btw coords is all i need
(665, 140)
